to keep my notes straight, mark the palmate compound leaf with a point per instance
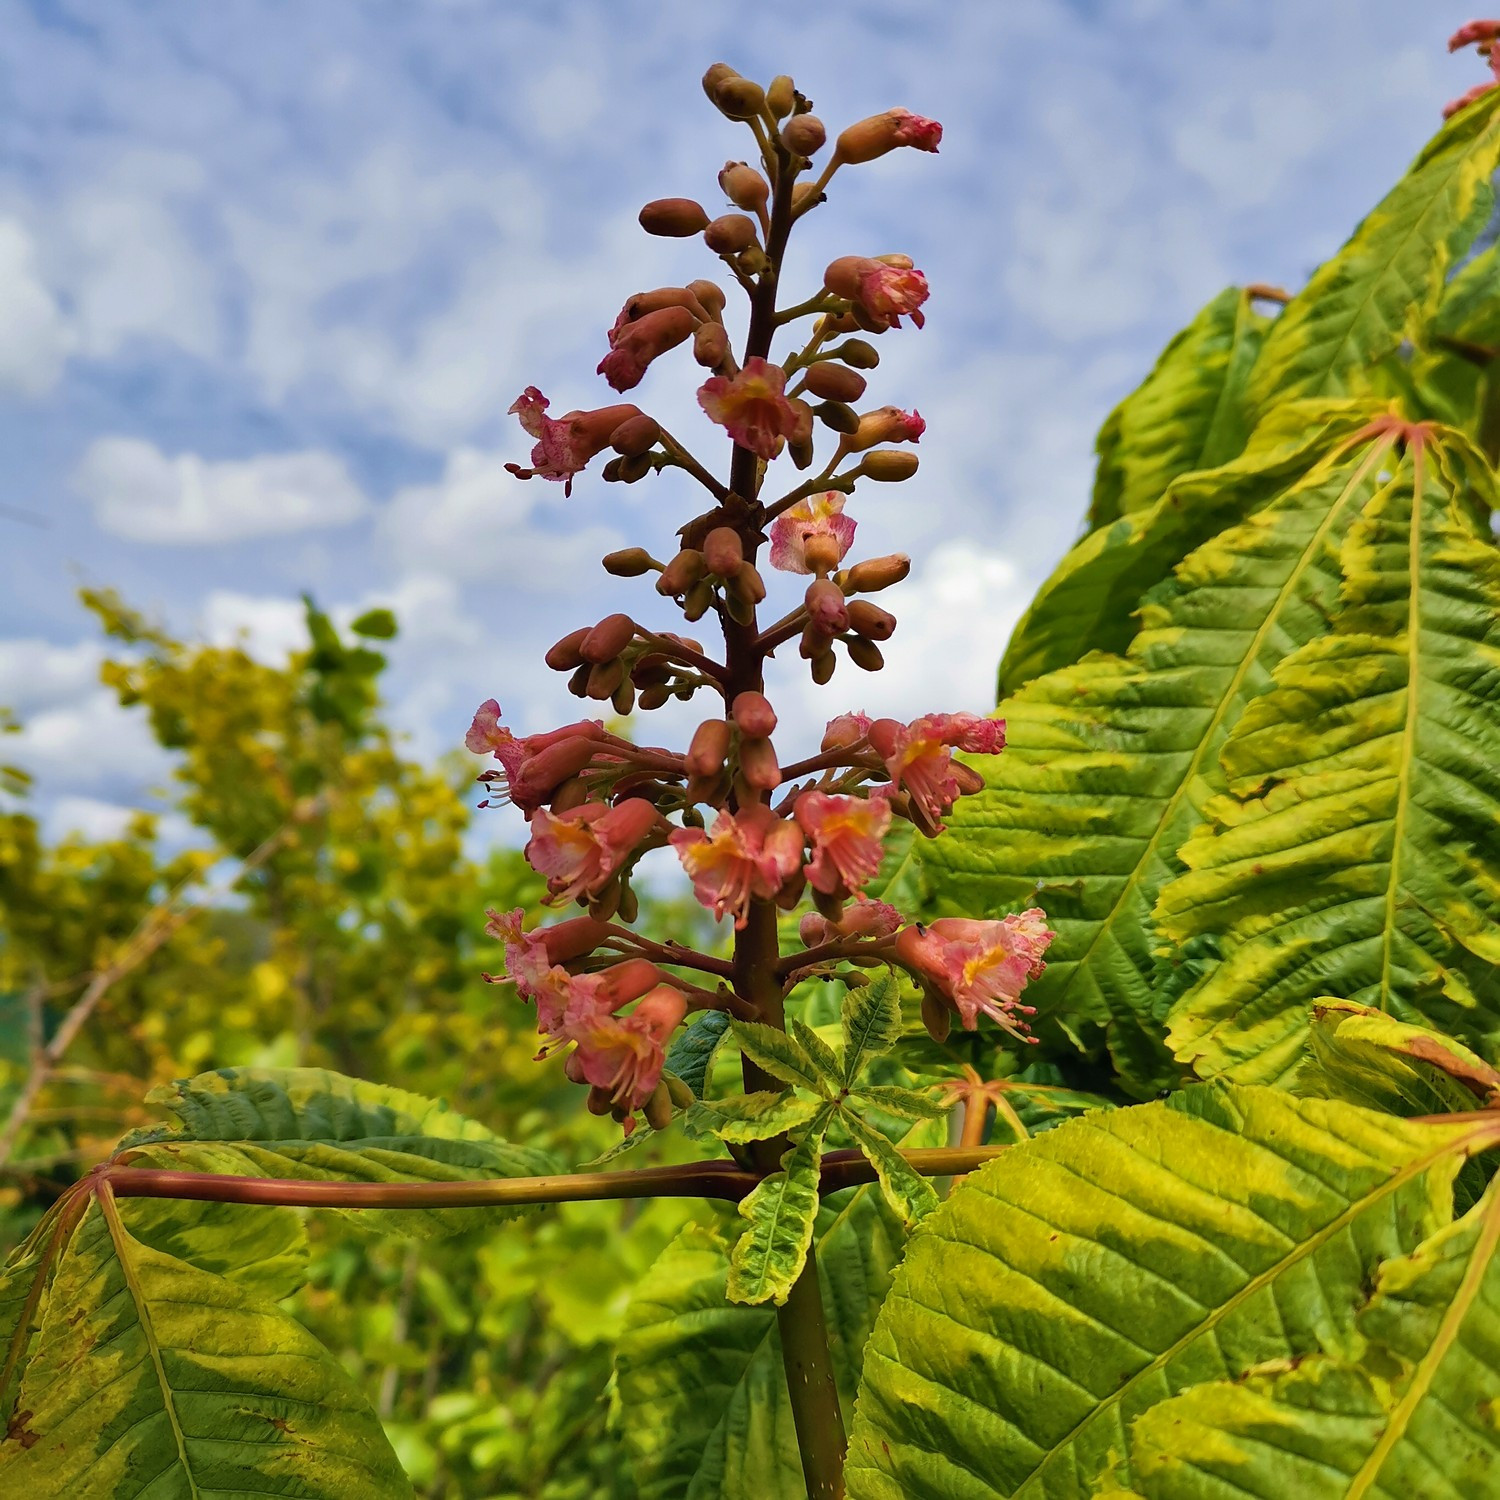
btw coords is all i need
(1187, 414)
(1388, 278)
(1355, 854)
(704, 1408)
(310, 1124)
(146, 1376)
(750, 1117)
(1110, 763)
(778, 1054)
(1416, 1417)
(1093, 1271)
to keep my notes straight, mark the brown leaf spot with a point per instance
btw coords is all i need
(19, 1432)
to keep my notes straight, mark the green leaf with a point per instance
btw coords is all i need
(750, 1117)
(701, 1385)
(1359, 306)
(691, 1054)
(769, 1255)
(906, 1104)
(149, 1375)
(1326, 1430)
(309, 1124)
(1093, 1271)
(258, 1247)
(1355, 855)
(375, 624)
(1110, 764)
(828, 1063)
(1187, 414)
(909, 1194)
(871, 1018)
(1090, 601)
(776, 1053)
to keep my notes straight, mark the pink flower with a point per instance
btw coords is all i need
(1471, 32)
(752, 407)
(580, 851)
(633, 345)
(887, 425)
(981, 967)
(624, 1056)
(862, 917)
(866, 139)
(883, 293)
(533, 960)
(590, 1000)
(745, 856)
(816, 519)
(1484, 34)
(846, 731)
(916, 130)
(846, 834)
(918, 757)
(534, 765)
(564, 444)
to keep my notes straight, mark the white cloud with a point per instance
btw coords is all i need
(90, 745)
(137, 491)
(268, 629)
(34, 336)
(89, 818)
(36, 674)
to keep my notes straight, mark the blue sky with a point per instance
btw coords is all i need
(271, 274)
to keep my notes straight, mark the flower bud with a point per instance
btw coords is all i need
(549, 768)
(814, 929)
(877, 573)
(630, 562)
(744, 186)
(681, 573)
(823, 553)
(758, 765)
(801, 452)
(830, 906)
(676, 218)
(834, 382)
(607, 639)
(937, 1015)
(604, 679)
(753, 714)
(710, 295)
(723, 551)
(738, 98)
(623, 703)
(698, 600)
(709, 747)
(634, 436)
(565, 656)
(805, 195)
(781, 96)
(716, 74)
(870, 621)
(888, 465)
(822, 667)
(827, 611)
(814, 642)
(598, 1100)
(711, 346)
(888, 424)
(633, 346)
(653, 697)
(857, 352)
(578, 683)
(747, 585)
(658, 1108)
(802, 135)
(610, 473)
(575, 938)
(865, 654)
(636, 467)
(967, 778)
(621, 983)
(729, 234)
(574, 792)
(872, 137)
(802, 421)
(839, 416)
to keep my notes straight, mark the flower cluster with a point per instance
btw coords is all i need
(1481, 35)
(756, 833)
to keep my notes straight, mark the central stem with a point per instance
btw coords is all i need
(801, 1321)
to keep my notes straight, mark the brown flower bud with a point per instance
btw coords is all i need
(747, 584)
(636, 467)
(814, 642)
(803, 135)
(698, 600)
(969, 780)
(604, 679)
(708, 748)
(840, 417)
(753, 714)
(822, 667)
(710, 296)
(638, 306)
(607, 639)
(827, 611)
(716, 74)
(801, 451)
(574, 792)
(578, 683)
(791, 890)
(744, 186)
(857, 352)
(676, 218)
(711, 346)
(865, 654)
(834, 382)
(870, 621)
(658, 1108)
(654, 697)
(723, 551)
(866, 139)
(888, 465)
(738, 98)
(805, 195)
(729, 234)
(565, 656)
(610, 473)
(635, 436)
(630, 562)
(597, 1101)
(876, 573)
(829, 906)
(681, 573)
(887, 424)
(739, 609)
(781, 96)
(758, 765)
(937, 1014)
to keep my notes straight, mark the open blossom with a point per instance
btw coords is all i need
(1484, 34)
(846, 834)
(625, 1055)
(634, 344)
(752, 407)
(533, 961)
(744, 856)
(580, 851)
(981, 967)
(862, 917)
(565, 444)
(818, 520)
(884, 293)
(919, 757)
(535, 765)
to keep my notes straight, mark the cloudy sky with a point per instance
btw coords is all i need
(271, 273)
